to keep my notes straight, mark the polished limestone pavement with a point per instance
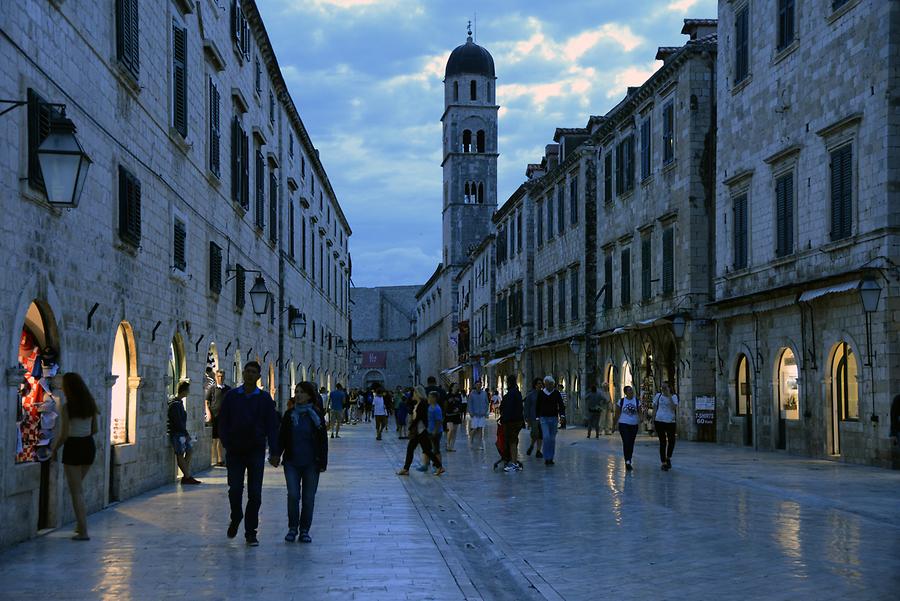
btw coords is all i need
(724, 524)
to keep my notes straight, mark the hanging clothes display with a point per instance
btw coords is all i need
(37, 411)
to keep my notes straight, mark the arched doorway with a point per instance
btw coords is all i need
(123, 401)
(611, 382)
(292, 371)
(626, 377)
(177, 364)
(38, 406)
(373, 377)
(237, 367)
(270, 381)
(844, 392)
(787, 395)
(743, 395)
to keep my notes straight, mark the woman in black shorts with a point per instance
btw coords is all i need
(79, 424)
(453, 417)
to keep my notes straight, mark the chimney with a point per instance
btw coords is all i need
(552, 156)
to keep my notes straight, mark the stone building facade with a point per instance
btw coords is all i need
(808, 163)
(384, 324)
(203, 174)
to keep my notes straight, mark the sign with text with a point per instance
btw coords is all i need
(704, 410)
(374, 359)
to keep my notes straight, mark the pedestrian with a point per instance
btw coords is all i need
(370, 402)
(435, 424)
(248, 422)
(214, 396)
(380, 410)
(433, 386)
(176, 428)
(534, 424)
(562, 414)
(453, 417)
(594, 401)
(400, 414)
(628, 416)
(464, 408)
(665, 407)
(78, 419)
(418, 434)
(512, 417)
(607, 408)
(303, 450)
(495, 403)
(548, 407)
(478, 408)
(398, 401)
(336, 401)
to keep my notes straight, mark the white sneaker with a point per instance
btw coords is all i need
(511, 468)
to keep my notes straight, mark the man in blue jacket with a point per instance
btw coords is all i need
(247, 422)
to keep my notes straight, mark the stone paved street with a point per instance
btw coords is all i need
(723, 524)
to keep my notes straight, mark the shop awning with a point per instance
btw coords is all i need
(452, 370)
(497, 361)
(835, 289)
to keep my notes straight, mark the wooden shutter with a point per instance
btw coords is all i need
(245, 170)
(39, 117)
(179, 239)
(291, 228)
(573, 199)
(273, 207)
(608, 281)
(127, 46)
(215, 268)
(239, 287)
(550, 209)
(260, 176)
(214, 131)
(561, 209)
(561, 282)
(841, 193)
(784, 215)
(573, 285)
(742, 49)
(626, 276)
(620, 162)
(236, 160)
(645, 148)
(668, 275)
(645, 269)
(740, 231)
(629, 163)
(550, 307)
(129, 207)
(668, 133)
(539, 214)
(179, 79)
(608, 177)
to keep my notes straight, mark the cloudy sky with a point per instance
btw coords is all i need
(367, 75)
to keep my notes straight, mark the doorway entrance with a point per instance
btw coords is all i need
(744, 395)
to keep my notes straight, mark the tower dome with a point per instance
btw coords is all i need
(470, 59)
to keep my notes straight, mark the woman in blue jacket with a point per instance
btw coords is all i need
(303, 445)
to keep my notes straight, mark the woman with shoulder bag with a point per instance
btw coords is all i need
(665, 405)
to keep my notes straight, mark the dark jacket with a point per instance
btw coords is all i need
(176, 422)
(420, 416)
(511, 409)
(531, 405)
(286, 435)
(549, 405)
(247, 422)
(214, 396)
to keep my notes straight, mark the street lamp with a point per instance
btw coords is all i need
(259, 296)
(678, 323)
(64, 164)
(869, 293)
(296, 322)
(575, 345)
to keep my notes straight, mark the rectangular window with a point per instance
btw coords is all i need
(608, 178)
(240, 165)
(179, 80)
(215, 268)
(561, 209)
(240, 30)
(786, 15)
(271, 107)
(645, 148)
(626, 276)
(784, 215)
(646, 261)
(303, 244)
(561, 283)
(625, 166)
(291, 144)
(608, 281)
(291, 233)
(539, 214)
(549, 204)
(742, 44)
(273, 207)
(669, 132)
(179, 242)
(257, 75)
(739, 238)
(550, 312)
(302, 167)
(668, 275)
(240, 286)
(574, 286)
(519, 232)
(129, 208)
(620, 169)
(215, 164)
(260, 176)
(127, 38)
(841, 192)
(573, 199)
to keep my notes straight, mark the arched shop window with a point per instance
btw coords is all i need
(788, 386)
(743, 394)
(122, 417)
(37, 409)
(626, 377)
(271, 381)
(845, 387)
(611, 381)
(176, 363)
(293, 371)
(237, 367)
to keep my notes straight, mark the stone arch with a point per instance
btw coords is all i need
(177, 371)
(124, 391)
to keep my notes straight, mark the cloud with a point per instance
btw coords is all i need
(680, 6)
(631, 76)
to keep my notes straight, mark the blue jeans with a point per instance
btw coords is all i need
(548, 429)
(253, 462)
(302, 483)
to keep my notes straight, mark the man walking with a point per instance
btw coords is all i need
(512, 418)
(380, 408)
(176, 428)
(336, 401)
(561, 388)
(247, 422)
(214, 396)
(478, 408)
(595, 404)
(549, 406)
(534, 425)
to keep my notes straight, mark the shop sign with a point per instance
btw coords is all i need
(704, 410)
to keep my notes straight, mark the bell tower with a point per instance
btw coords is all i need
(470, 150)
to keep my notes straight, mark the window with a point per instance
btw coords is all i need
(240, 285)
(179, 79)
(645, 148)
(257, 75)
(455, 91)
(784, 215)
(302, 167)
(786, 16)
(481, 193)
(303, 244)
(271, 107)
(312, 250)
(743, 392)
(291, 144)
(608, 177)
(561, 284)
(646, 259)
(836, 4)
(549, 216)
(625, 166)
(625, 276)
(560, 209)
(669, 132)
(479, 140)
(129, 207)
(788, 386)
(739, 225)
(467, 141)
(539, 218)
(260, 190)
(39, 117)
(215, 164)
(573, 199)
(127, 38)
(291, 232)
(742, 44)
(179, 242)
(550, 312)
(240, 165)
(473, 90)
(240, 30)
(574, 286)
(215, 268)
(608, 281)
(519, 232)
(273, 207)
(841, 192)
(844, 381)
(668, 275)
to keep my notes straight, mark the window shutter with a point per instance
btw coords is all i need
(784, 191)
(841, 193)
(740, 231)
(620, 161)
(127, 35)
(245, 170)
(608, 282)
(273, 207)
(645, 148)
(179, 78)
(519, 232)
(742, 58)
(573, 274)
(239, 287)
(129, 207)
(573, 200)
(561, 282)
(179, 239)
(550, 312)
(291, 227)
(608, 177)
(560, 209)
(668, 276)
(645, 269)
(668, 133)
(302, 244)
(214, 130)
(539, 213)
(260, 176)
(629, 163)
(236, 160)
(39, 116)
(626, 276)
(215, 268)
